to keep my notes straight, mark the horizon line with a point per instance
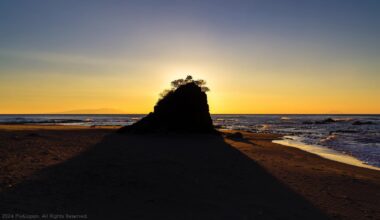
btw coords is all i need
(210, 113)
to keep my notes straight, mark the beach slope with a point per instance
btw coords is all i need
(157, 176)
(96, 172)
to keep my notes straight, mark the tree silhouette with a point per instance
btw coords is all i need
(180, 82)
(177, 83)
(189, 78)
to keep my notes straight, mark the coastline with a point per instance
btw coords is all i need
(339, 190)
(343, 135)
(324, 152)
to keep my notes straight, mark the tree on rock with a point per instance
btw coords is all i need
(183, 108)
(189, 79)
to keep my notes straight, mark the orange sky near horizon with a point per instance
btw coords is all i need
(228, 95)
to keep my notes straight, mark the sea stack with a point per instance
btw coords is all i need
(183, 109)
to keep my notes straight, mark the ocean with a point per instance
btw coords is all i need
(354, 135)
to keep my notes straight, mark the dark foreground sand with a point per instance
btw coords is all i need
(94, 172)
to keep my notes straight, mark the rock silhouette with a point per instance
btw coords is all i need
(363, 123)
(183, 109)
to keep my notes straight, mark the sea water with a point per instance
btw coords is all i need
(354, 135)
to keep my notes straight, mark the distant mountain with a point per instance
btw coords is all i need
(92, 111)
(333, 112)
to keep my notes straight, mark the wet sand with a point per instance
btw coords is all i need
(325, 152)
(94, 172)
(340, 190)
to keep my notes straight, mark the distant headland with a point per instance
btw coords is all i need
(92, 111)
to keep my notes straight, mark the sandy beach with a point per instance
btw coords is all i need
(342, 191)
(95, 173)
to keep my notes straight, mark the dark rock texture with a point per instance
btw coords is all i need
(235, 136)
(326, 121)
(183, 110)
(363, 123)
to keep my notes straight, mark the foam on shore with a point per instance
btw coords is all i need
(293, 141)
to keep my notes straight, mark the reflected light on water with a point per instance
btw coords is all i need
(324, 152)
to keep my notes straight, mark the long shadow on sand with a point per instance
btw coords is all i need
(159, 177)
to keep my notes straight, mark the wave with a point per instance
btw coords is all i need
(342, 119)
(285, 118)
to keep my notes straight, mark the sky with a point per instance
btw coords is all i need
(260, 57)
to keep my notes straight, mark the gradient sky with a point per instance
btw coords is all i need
(257, 56)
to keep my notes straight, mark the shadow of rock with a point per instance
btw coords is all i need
(159, 177)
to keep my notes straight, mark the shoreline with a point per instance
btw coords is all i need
(339, 190)
(282, 139)
(343, 191)
(339, 136)
(322, 151)
(325, 152)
